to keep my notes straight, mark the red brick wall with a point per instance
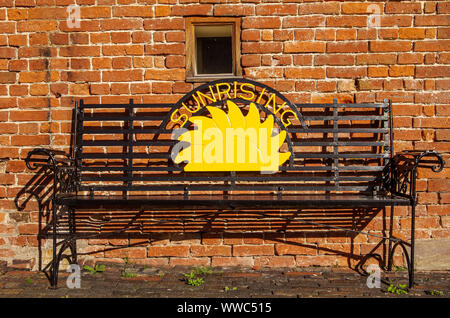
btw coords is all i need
(312, 51)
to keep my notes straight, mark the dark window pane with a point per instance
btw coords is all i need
(214, 55)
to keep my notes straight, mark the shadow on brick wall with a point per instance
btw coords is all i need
(308, 232)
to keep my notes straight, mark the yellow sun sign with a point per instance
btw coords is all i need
(232, 142)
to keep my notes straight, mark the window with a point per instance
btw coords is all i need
(212, 48)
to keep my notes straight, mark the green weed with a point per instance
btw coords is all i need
(228, 289)
(195, 277)
(399, 289)
(126, 274)
(434, 292)
(94, 270)
(400, 269)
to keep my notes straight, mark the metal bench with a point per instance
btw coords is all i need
(336, 156)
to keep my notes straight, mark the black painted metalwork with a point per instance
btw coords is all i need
(342, 157)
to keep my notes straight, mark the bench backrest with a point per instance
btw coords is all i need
(127, 149)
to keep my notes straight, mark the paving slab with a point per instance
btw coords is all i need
(222, 283)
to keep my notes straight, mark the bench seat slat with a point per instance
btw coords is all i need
(165, 178)
(363, 105)
(267, 201)
(218, 187)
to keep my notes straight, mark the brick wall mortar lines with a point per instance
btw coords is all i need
(316, 51)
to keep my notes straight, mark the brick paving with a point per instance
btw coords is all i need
(220, 283)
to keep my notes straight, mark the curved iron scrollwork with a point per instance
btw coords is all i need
(428, 153)
(34, 164)
(52, 268)
(400, 177)
(63, 168)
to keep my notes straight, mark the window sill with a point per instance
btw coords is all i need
(209, 77)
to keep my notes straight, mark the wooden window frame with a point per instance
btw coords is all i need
(191, 67)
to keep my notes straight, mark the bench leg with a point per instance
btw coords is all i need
(413, 227)
(409, 257)
(59, 255)
(55, 264)
(72, 231)
(391, 224)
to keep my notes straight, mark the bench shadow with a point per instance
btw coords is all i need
(38, 191)
(308, 232)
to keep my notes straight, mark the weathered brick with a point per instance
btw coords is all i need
(172, 74)
(175, 61)
(346, 21)
(139, 88)
(319, 8)
(432, 71)
(294, 249)
(46, 13)
(432, 46)
(7, 77)
(117, 50)
(31, 77)
(210, 250)
(396, 20)
(261, 47)
(304, 72)
(79, 50)
(27, 229)
(175, 23)
(162, 11)
(121, 24)
(83, 76)
(17, 40)
(122, 76)
(381, 71)
(158, 251)
(29, 141)
(403, 7)
(99, 89)
(376, 58)
(100, 38)
(233, 10)
(133, 11)
(347, 47)
(361, 8)
(37, 26)
(120, 37)
(176, 36)
(276, 9)
(7, 52)
(345, 35)
(303, 46)
(398, 70)
(411, 33)
(390, 46)
(250, 250)
(345, 72)
(39, 89)
(165, 49)
(261, 22)
(17, 14)
(434, 20)
(410, 58)
(303, 22)
(250, 35)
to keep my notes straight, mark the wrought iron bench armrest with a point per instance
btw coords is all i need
(60, 165)
(403, 171)
(50, 158)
